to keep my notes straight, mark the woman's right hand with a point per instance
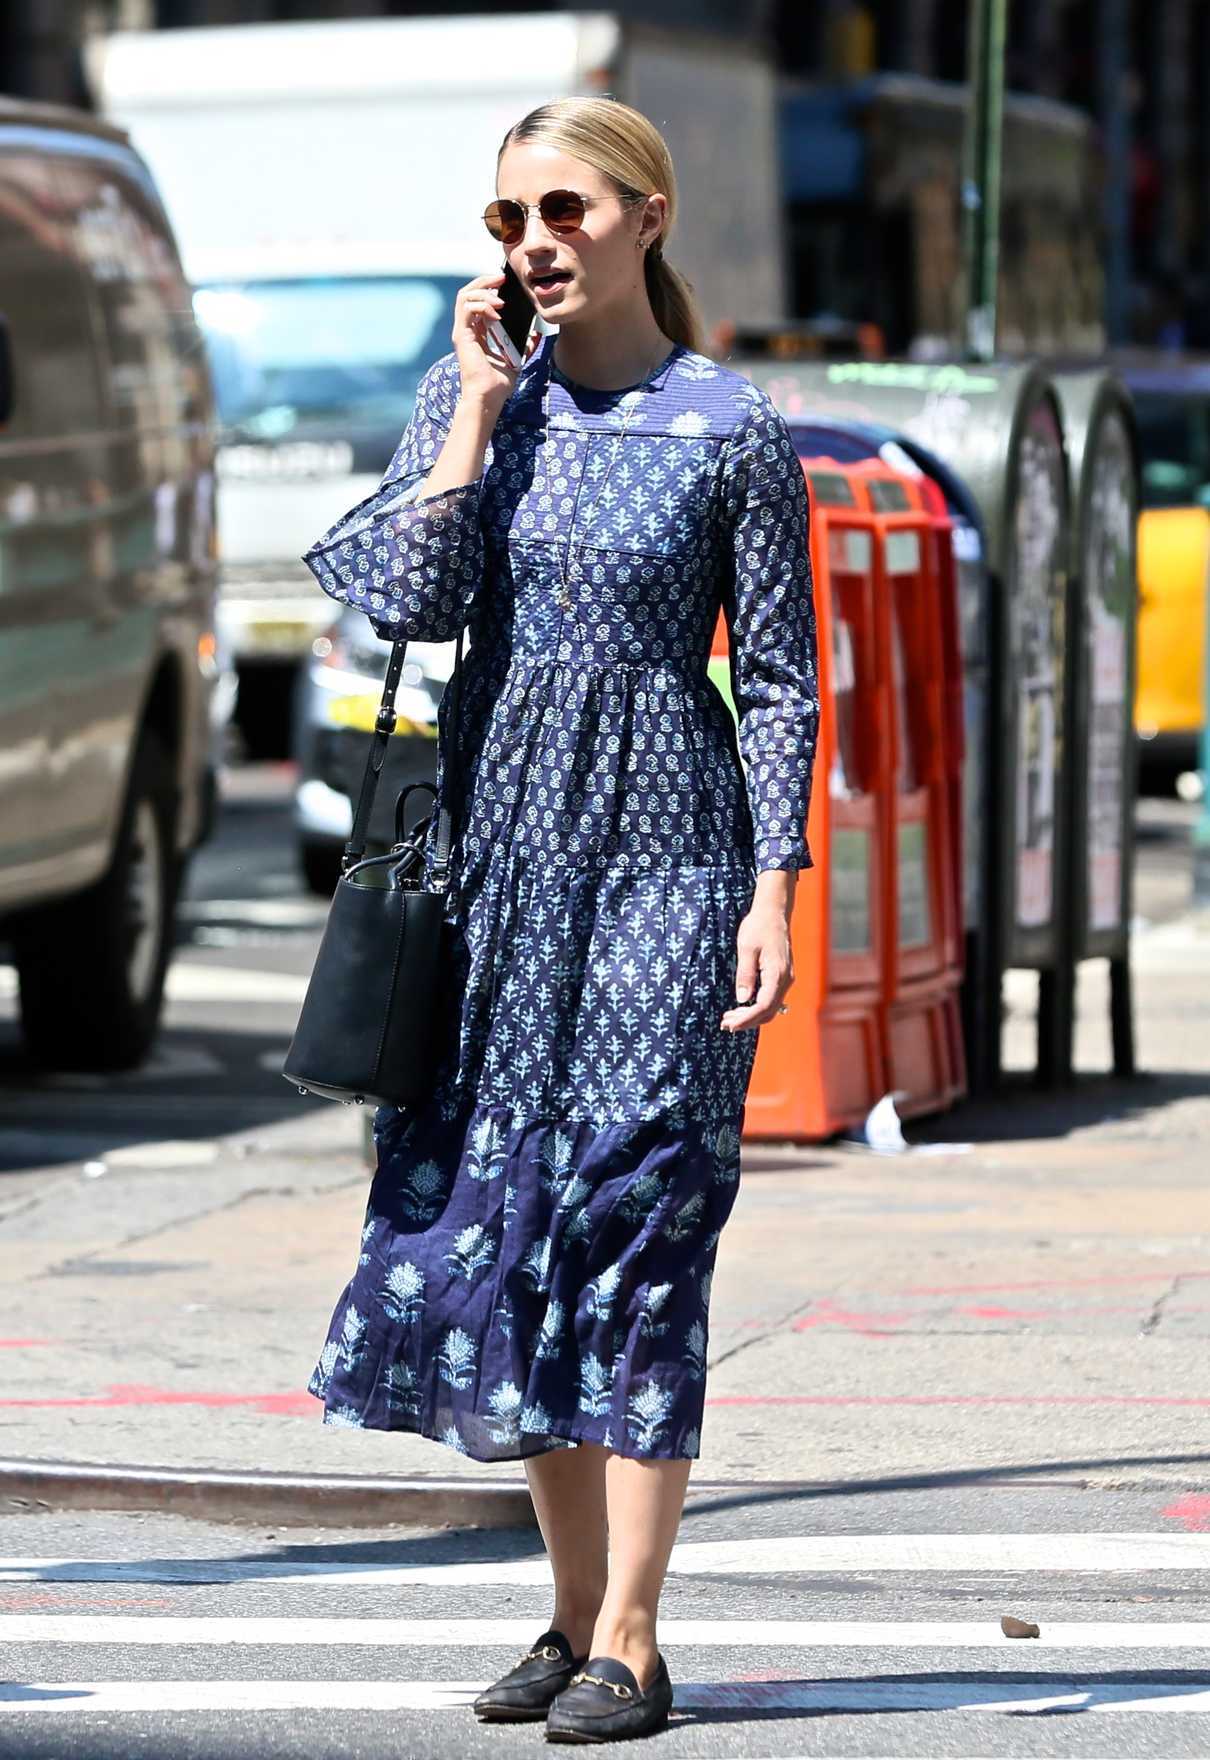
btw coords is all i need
(486, 377)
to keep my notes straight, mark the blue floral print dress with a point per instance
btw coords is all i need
(541, 1231)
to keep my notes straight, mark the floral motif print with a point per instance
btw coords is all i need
(602, 1290)
(694, 1357)
(473, 1249)
(505, 1405)
(556, 1166)
(648, 1413)
(456, 1359)
(485, 1156)
(352, 1339)
(402, 1296)
(595, 1384)
(649, 1323)
(422, 1190)
(403, 1389)
(538, 1246)
(551, 1330)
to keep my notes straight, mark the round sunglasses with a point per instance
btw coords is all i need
(562, 211)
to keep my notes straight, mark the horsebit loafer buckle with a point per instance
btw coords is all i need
(618, 1687)
(548, 1652)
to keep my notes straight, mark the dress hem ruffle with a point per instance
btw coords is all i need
(567, 1436)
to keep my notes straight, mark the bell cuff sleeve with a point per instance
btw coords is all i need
(769, 607)
(412, 563)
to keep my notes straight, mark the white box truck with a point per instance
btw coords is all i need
(326, 182)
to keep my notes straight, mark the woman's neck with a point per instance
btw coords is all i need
(610, 355)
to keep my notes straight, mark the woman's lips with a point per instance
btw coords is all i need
(544, 289)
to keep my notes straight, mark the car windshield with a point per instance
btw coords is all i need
(1174, 437)
(289, 357)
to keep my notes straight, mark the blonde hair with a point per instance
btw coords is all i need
(628, 149)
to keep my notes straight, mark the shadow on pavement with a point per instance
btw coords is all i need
(200, 1084)
(1022, 1110)
(1005, 1476)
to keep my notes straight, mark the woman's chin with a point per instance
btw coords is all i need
(565, 310)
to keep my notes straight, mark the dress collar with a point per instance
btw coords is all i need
(654, 382)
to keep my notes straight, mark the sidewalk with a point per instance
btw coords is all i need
(1030, 1298)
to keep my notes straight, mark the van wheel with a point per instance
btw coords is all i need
(91, 967)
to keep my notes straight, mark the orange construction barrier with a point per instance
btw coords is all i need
(923, 902)
(877, 931)
(821, 1067)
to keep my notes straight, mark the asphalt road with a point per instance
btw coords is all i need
(145, 1636)
(248, 932)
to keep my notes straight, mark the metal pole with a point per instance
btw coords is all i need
(1113, 64)
(981, 174)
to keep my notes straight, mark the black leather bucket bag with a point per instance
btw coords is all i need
(367, 1031)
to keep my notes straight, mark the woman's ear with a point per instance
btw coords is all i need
(651, 225)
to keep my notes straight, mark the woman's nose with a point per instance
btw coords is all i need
(533, 217)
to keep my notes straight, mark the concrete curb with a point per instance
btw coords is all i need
(306, 1500)
(284, 1499)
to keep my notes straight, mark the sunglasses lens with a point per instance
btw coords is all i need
(505, 221)
(562, 210)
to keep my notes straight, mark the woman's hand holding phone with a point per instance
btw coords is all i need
(487, 380)
(487, 377)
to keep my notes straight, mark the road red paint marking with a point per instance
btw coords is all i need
(989, 1311)
(1193, 1513)
(288, 1405)
(869, 1325)
(93, 1604)
(874, 1324)
(957, 1399)
(1159, 1275)
(16, 1344)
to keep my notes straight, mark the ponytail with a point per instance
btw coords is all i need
(672, 302)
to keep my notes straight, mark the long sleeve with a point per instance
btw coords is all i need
(770, 611)
(413, 565)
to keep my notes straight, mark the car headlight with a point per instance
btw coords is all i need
(341, 652)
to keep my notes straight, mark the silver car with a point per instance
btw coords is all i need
(336, 699)
(108, 654)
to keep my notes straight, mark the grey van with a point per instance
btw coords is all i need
(107, 581)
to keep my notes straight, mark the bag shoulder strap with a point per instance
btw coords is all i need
(384, 727)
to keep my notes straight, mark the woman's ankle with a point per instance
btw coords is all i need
(576, 1619)
(630, 1637)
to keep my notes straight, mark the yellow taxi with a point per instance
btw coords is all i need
(1173, 408)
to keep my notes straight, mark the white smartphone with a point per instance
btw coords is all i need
(510, 331)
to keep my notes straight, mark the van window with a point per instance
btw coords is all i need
(297, 359)
(44, 301)
(119, 236)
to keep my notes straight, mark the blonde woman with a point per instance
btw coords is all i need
(534, 1275)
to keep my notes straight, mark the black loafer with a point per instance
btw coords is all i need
(602, 1703)
(525, 1692)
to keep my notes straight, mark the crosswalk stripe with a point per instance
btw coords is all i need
(127, 1630)
(1039, 1554)
(989, 1693)
(188, 981)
